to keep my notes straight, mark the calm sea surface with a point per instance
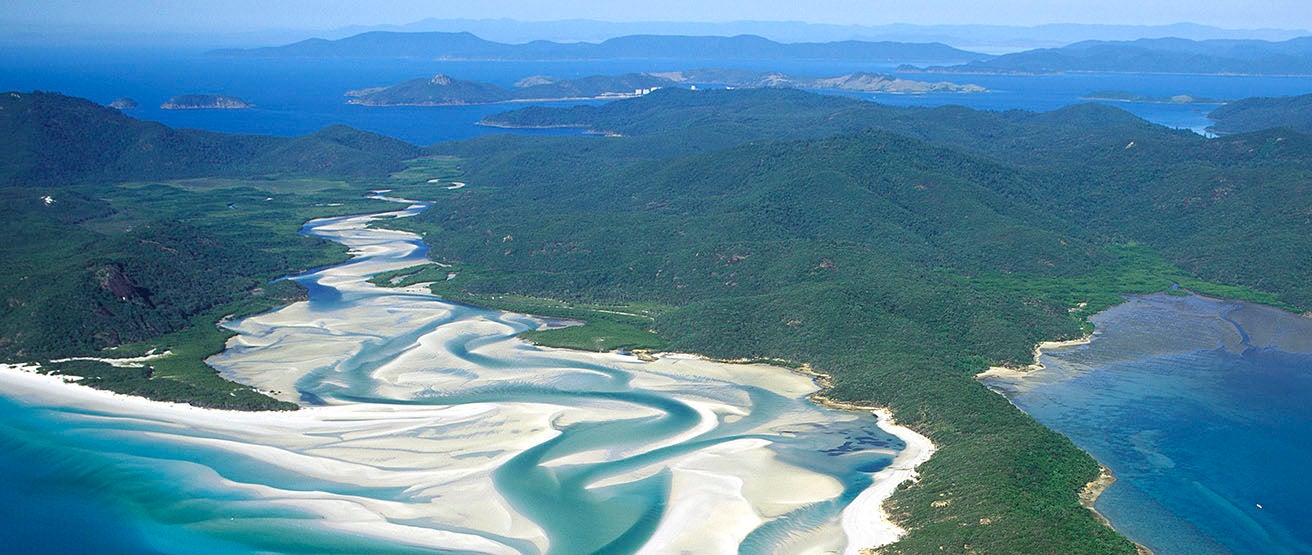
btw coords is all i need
(1200, 407)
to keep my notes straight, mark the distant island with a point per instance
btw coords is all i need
(1252, 114)
(205, 102)
(468, 47)
(1167, 55)
(1126, 96)
(123, 103)
(443, 90)
(853, 82)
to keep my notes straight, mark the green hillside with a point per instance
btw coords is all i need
(900, 250)
(1253, 114)
(108, 246)
(49, 138)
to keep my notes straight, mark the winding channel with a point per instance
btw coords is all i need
(428, 426)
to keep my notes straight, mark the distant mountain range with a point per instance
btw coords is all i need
(443, 90)
(992, 37)
(1168, 55)
(467, 46)
(986, 38)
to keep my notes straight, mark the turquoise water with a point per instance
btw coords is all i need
(1200, 408)
(437, 433)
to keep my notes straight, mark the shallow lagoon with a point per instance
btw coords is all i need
(1200, 408)
(436, 430)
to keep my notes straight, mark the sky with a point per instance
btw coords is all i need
(189, 15)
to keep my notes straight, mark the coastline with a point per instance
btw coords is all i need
(1088, 496)
(312, 443)
(1009, 372)
(865, 521)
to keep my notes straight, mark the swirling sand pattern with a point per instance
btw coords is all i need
(430, 427)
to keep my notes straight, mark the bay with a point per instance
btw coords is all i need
(1199, 407)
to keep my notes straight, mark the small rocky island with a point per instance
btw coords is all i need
(205, 102)
(123, 103)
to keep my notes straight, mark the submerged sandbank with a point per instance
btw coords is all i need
(434, 427)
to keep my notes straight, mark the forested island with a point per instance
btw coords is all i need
(900, 251)
(1127, 96)
(443, 90)
(205, 102)
(123, 103)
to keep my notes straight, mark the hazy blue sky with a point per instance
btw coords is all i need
(325, 14)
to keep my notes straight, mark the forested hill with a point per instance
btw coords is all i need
(50, 138)
(466, 46)
(1105, 170)
(89, 262)
(901, 250)
(1252, 114)
(1163, 55)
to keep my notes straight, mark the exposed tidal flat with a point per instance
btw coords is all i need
(1199, 407)
(428, 426)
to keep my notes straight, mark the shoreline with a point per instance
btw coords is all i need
(867, 510)
(1037, 365)
(864, 522)
(1089, 494)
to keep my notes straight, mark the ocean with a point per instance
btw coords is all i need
(295, 97)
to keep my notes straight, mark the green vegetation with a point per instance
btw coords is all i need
(93, 263)
(1254, 114)
(1127, 96)
(158, 263)
(901, 251)
(442, 90)
(51, 140)
(205, 102)
(182, 375)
